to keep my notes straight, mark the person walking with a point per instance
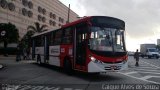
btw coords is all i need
(19, 52)
(136, 56)
(24, 53)
(28, 53)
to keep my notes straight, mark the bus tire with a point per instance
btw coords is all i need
(38, 59)
(68, 67)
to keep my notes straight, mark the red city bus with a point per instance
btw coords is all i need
(92, 44)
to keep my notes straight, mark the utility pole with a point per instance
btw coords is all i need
(68, 13)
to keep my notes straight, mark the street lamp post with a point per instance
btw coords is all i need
(68, 14)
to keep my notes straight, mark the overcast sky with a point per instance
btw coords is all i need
(141, 17)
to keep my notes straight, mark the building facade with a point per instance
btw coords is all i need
(23, 13)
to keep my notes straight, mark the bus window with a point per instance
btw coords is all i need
(67, 37)
(39, 41)
(51, 36)
(58, 36)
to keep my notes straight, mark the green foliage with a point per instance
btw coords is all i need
(37, 28)
(26, 40)
(12, 34)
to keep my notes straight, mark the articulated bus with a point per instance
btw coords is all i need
(92, 44)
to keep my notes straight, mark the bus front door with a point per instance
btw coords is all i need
(80, 48)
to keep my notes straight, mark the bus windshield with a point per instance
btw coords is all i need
(106, 39)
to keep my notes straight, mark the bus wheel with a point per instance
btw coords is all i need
(39, 59)
(68, 67)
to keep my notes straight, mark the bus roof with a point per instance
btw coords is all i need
(76, 22)
(37, 34)
(73, 23)
(86, 19)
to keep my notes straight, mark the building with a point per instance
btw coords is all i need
(23, 13)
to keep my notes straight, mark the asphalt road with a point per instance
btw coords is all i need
(26, 75)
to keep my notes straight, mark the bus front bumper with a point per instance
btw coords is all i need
(104, 67)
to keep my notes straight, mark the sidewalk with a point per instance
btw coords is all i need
(11, 59)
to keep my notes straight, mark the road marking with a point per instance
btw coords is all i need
(68, 89)
(139, 78)
(149, 76)
(130, 73)
(149, 72)
(147, 67)
(151, 64)
(146, 70)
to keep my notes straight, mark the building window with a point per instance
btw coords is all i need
(43, 19)
(54, 16)
(25, 2)
(3, 4)
(54, 23)
(61, 20)
(39, 17)
(44, 11)
(50, 22)
(30, 4)
(50, 15)
(39, 9)
(30, 13)
(11, 6)
(24, 11)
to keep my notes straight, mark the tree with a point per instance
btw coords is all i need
(27, 38)
(9, 34)
(37, 28)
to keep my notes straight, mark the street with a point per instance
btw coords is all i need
(26, 74)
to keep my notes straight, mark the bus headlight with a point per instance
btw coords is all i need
(93, 59)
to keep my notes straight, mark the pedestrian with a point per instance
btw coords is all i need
(24, 53)
(136, 56)
(28, 53)
(19, 52)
